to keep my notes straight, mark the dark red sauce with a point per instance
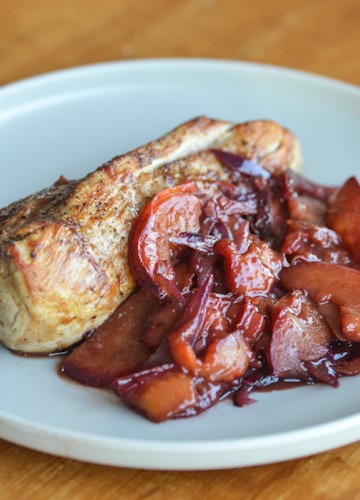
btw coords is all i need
(227, 305)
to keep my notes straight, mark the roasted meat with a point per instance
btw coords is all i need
(63, 251)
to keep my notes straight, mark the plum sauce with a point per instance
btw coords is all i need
(247, 285)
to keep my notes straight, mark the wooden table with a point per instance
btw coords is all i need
(36, 36)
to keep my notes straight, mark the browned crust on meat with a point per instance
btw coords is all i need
(63, 251)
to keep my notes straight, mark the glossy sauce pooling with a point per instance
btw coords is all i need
(241, 290)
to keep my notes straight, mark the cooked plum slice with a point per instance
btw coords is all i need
(295, 183)
(351, 367)
(316, 244)
(166, 392)
(185, 277)
(331, 314)
(158, 393)
(270, 221)
(346, 357)
(186, 333)
(160, 325)
(250, 321)
(299, 334)
(252, 273)
(114, 349)
(171, 212)
(226, 314)
(227, 355)
(332, 283)
(224, 213)
(306, 209)
(220, 315)
(190, 323)
(222, 206)
(220, 310)
(322, 370)
(226, 358)
(202, 266)
(344, 215)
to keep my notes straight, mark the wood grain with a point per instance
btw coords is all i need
(314, 35)
(318, 35)
(27, 474)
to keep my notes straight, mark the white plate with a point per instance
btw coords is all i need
(72, 121)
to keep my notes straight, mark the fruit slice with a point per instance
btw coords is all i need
(316, 244)
(158, 393)
(270, 222)
(306, 209)
(299, 334)
(295, 183)
(160, 325)
(250, 321)
(184, 336)
(252, 273)
(351, 367)
(114, 349)
(165, 392)
(344, 215)
(332, 283)
(151, 253)
(225, 356)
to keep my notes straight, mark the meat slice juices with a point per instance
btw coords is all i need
(243, 284)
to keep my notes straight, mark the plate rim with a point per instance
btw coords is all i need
(154, 455)
(109, 66)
